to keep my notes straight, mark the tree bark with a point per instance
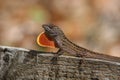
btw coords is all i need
(23, 64)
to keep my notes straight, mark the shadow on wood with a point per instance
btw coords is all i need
(23, 64)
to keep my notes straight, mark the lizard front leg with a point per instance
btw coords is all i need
(56, 55)
(59, 52)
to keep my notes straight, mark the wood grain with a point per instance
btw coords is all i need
(23, 64)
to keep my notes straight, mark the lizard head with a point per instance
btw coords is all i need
(52, 31)
(49, 36)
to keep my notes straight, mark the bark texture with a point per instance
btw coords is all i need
(23, 64)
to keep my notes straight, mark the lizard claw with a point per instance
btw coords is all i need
(56, 55)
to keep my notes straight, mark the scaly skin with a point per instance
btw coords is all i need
(65, 45)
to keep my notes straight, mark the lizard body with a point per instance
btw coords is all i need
(65, 45)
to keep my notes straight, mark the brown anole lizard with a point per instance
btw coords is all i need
(61, 41)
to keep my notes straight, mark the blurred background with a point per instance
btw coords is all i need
(92, 24)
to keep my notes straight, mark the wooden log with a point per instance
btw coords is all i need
(23, 64)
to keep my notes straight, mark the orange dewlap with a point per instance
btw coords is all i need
(44, 41)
